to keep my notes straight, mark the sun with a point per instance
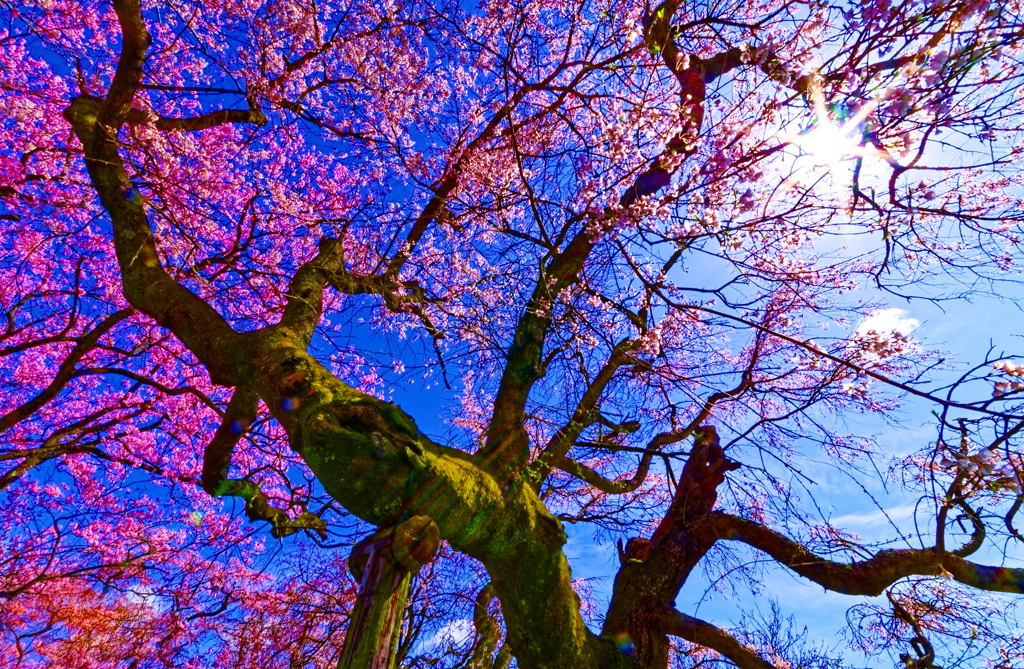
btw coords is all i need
(829, 143)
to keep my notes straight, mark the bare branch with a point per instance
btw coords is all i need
(253, 116)
(616, 487)
(705, 634)
(866, 577)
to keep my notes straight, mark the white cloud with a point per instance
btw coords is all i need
(876, 517)
(888, 320)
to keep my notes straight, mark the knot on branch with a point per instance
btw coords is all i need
(409, 545)
(708, 464)
(83, 114)
(637, 549)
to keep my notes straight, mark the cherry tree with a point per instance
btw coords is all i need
(627, 266)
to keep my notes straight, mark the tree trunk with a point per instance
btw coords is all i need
(384, 564)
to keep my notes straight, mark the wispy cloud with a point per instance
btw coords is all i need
(876, 517)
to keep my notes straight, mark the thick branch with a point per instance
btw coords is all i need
(977, 535)
(51, 448)
(616, 487)
(240, 414)
(653, 570)
(147, 287)
(705, 634)
(254, 115)
(372, 459)
(562, 440)
(865, 577)
(506, 449)
(135, 40)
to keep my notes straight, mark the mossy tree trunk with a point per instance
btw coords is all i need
(384, 565)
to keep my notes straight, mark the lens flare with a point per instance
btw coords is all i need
(828, 143)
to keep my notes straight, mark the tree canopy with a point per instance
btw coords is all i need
(627, 266)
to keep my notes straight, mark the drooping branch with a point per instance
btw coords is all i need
(66, 440)
(240, 413)
(920, 643)
(147, 381)
(980, 407)
(705, 634)
(865, 577)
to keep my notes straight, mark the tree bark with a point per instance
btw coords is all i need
(384, 564)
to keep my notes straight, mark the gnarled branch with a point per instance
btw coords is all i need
(258, 507)
(865, 577)
(616, 487)
(705, 634)
(147, 286)
(240, 414)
